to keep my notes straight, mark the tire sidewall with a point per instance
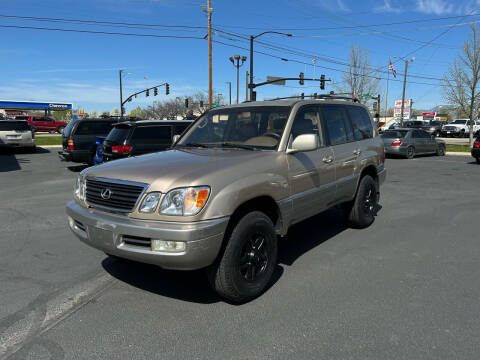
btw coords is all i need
(413, 153)
(366, 183)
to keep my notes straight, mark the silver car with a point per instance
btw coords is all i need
(16, 134)
(411, 142)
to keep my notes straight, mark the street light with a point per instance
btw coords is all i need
(229, 91)
(252, 37)
(404, 84)
(237, 58)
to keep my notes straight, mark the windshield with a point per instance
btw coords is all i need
(391, 134)
(118, 134)
(254, 127)
(460, 122)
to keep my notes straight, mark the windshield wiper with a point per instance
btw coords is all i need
(237, 146)
(190, 144)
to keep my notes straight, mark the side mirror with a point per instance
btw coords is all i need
(175, 139)
(303, 143)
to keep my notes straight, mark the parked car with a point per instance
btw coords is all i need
(411, 142)
(434, 127)
(460, 128)
(78, 139)
(413, 124)
(240, 176)
(141, 137)
(43, 123)
(16, 134)
(476, 149)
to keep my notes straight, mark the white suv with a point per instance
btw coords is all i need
(460, 128)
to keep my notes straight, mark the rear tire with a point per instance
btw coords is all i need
(410, 152)
(478, 160)
(51, 131)
(60, 130)
(360, 212)
(441, 150)
(246, 266)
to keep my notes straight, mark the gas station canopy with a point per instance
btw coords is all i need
(33, 105)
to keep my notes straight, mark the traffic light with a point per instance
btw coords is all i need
(254, 96)
(155, 91)
(186, 102)
(147, 93)
(201, 103)
(301, 76)
(322, 82)
(167, 89)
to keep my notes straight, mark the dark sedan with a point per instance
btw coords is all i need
(476, 150)
(411, 142)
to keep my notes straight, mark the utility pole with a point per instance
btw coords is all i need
(246, 86)
(229, 92)
(403, 93)
(210, 89)
(121, 95)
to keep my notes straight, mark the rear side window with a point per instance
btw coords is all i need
(14, 125)
(68, 128)
(152, 134)
(361, 123)
(118, 134)
(335, 124)
(179, 129)
(93, 128)
(393, 134)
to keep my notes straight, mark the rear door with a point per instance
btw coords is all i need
(430, 142)
(419, 142)
(339, 134)
(151, 138)
(86, 132)
(38, 122)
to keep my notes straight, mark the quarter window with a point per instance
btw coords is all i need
(361, 123)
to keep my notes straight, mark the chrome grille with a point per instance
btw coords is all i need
(123, 195)
(450, 128)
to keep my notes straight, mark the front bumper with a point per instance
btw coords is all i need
(107, 232)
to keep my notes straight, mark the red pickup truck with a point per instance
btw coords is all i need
(43, 123)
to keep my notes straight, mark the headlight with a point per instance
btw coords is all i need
(185, 201)
(80, 187)
(150, 202)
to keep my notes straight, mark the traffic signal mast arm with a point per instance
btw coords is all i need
(143, 91)
(253, 86)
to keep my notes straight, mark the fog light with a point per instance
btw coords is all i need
(71, 222)
(168, 246)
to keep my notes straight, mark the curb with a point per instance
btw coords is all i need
(458, 153)
(50, 146)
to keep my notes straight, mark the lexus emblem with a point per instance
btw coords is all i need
(106, 193)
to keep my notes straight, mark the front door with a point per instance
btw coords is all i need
(419, 142)
(312, 173)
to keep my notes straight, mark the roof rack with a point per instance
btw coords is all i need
(318, 96)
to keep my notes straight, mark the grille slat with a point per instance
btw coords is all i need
(123, 196)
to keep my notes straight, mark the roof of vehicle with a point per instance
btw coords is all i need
(152, 122)
(330, 99)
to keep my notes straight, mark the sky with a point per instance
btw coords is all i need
(82, 67)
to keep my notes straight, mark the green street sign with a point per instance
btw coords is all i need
(215, 105)
(366, 96)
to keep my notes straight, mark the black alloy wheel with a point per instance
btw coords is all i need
(254, 258)
(410, 152)
(441, 150)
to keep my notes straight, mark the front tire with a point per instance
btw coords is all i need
(441, 150)
(248, 261)
(361, 211)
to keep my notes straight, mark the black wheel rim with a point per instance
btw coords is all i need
(410, 152)
(370, 200)
(254, 257)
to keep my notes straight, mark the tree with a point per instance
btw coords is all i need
(359, 79)
(138, 112)
(62, 115)
(115, 112)
(461, 83)
(92, 114)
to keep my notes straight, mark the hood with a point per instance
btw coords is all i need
(176, 168)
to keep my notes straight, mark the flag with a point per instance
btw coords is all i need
(391, 67)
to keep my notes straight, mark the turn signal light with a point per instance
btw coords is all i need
(121, 149)
(397, 143)
(70, 145)
(476, 144)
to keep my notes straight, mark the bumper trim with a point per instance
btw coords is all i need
(105, 232)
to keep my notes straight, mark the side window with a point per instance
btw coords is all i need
(306, 122)
(361, 123)
(425, 135)
(335, 124)
(93, 128)
(152, 134)
(416, 134)
(179, 129)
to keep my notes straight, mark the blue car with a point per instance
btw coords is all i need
(98, 158)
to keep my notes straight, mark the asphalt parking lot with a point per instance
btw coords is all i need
(408, 287)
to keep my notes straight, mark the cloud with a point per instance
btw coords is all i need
(437, 7)
(334, 5)
(387, 7)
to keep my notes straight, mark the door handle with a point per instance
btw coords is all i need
(327, 159)
(357, 151)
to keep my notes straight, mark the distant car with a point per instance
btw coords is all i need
(413, 124)
(460, 128)
(79, 137)
(476, 149)
(16, 134)
(132, 138)
(434, 127)
(43, 123)
(410, 142)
